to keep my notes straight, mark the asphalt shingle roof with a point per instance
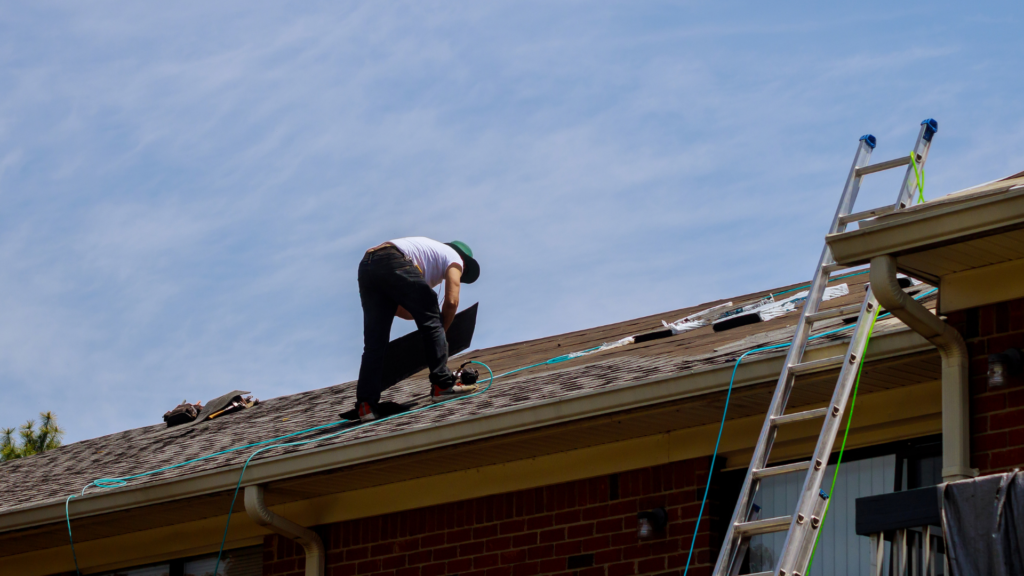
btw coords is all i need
(66, 470)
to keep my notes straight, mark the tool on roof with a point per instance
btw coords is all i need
(803, 525)
(182, 413)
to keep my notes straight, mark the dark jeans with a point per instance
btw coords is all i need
(387, 279)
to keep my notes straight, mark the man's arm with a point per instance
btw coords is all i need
(403, 313)
(452, 283)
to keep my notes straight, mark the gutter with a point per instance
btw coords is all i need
(310, 541)
(933, 225)
(554, 411)
(956, 463)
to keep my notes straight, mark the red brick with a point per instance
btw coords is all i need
(1015, 437)
(499, 571)
(281, 566)
(540, 552)
(361, 553)
(500, 543)
(446, 553)
(552, 565)
(421, 557)
(513, 556)
(608, 526)
(636, 551)
(486, 561)
(999, 343)
(979, 425)
(432, 540)
(592, 571)
(623, 507)
(1006, 420)
(459, 565)
(981, 462)
(413, 571)
(472, 548)
(436, 569)
(344, 570)
(595, 512)
(553, 535)
(512, 527)
(524, 540)
(595, 543)
(567, 517)
(608, 556)
(485, 532)
(368, 566)
(623, 539)
(989, 442)
(568, 548)
(1015, 398)
(580, 531)
(385, 549)
(540, 522)
(526, 569)
(622, 569)
(651, 565)
(407, 545)
(664, 547)
(393, 562)
(986, 321)
(459, 536)
(988, 403)
(1007, 458)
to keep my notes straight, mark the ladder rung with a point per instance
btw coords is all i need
(800, 416)
(830, 268)
(833, 313)
(888, 164)
(816, 365)
(858, 216)
(766, 526)
(784, 469)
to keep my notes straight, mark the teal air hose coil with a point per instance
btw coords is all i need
(106, 483)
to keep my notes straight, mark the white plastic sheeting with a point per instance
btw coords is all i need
(697, 320)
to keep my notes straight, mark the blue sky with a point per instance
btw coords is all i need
(186, 189)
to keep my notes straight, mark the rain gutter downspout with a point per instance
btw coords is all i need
(309, 540)
(956, 463)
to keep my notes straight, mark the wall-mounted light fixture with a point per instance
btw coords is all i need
(650, 522)
(1000, 366)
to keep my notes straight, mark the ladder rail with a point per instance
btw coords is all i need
(759, 458)
(806, 519)
(799, 544)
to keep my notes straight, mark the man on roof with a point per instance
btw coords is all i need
(397, 278)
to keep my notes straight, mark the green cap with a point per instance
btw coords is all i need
(470, 267)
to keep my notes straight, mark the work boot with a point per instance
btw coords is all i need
(438, 394)
(366, 412)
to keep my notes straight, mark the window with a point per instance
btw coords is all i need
(865, 472)
(240, 562)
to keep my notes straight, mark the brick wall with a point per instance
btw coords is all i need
(584, 528)
(997, 415)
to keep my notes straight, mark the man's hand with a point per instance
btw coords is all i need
(452, 284)
(403, 313)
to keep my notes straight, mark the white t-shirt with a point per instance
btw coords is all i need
(432, 257)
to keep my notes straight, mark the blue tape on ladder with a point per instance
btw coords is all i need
(869, 140)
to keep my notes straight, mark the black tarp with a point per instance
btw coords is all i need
(407, 355)
(983, 524)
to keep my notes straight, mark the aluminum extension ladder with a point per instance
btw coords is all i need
(803, 525)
